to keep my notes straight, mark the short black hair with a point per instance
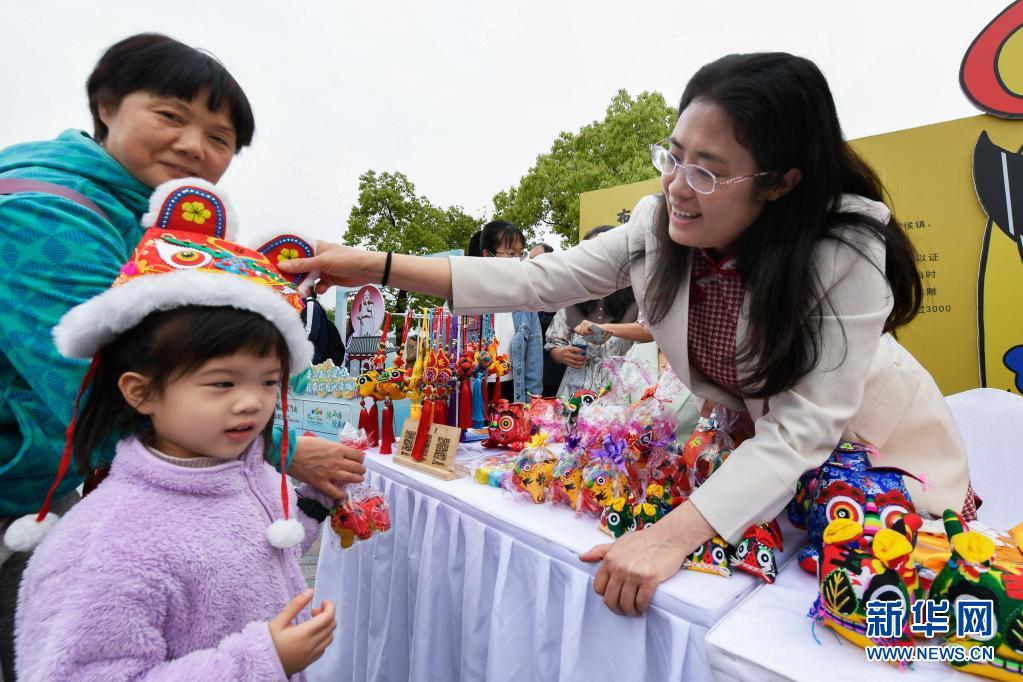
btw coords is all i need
(547, 248)
(165, 346)
(494, 235)
(159, 64)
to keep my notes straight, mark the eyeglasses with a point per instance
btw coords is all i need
(522, 255)
(697, 177)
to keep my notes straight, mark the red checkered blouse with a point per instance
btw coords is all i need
(715, 298)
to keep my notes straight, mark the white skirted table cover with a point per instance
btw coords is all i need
(471, 583)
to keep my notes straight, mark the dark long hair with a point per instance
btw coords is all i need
(159, 64)
(785, 116)
(495, 235)
(615, 304)
(165, 346)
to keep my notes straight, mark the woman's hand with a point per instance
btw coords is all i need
(348, 267)
(569, 355)
(635, 564)
(298, 646)
(584, 328)
(326, 465)
(339, 265)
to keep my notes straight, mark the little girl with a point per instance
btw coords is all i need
(167, 571)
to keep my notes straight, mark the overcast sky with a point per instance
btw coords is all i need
(461, 96)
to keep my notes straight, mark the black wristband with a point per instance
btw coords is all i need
(313, 509)
(387, 270)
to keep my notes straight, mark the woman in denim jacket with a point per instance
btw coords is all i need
(518, 332)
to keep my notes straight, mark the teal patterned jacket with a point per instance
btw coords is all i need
(56, 254)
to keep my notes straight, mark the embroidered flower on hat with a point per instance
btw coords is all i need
(195, 212)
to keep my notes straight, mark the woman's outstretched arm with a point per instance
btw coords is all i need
(349, 267)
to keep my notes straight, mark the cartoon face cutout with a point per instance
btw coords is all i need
(368, 383)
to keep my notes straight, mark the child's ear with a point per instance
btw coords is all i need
(135, 389)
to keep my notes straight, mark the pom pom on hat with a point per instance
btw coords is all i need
(25, 533)
(285, 533)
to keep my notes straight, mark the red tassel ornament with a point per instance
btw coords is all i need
(387, 428)
(425, 420)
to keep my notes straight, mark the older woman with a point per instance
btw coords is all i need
(70, 208)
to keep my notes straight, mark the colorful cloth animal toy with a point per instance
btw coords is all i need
(847, 486)
(581, 398)
(856, 568)
(755, 553)
(547, 415)
(616, 519)
(363, 513)
(495, 470)
(710, 557)
(509, 425)
(567, 478)
(532, 472)
(604, 477)
(973, 573)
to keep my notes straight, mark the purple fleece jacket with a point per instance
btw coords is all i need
(162, 573)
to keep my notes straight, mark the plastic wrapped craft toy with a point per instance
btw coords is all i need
(495, 470)
(666, 468)
(532, 472)
(755, 553)
(581, 398)
(567, 477)
(546, 415)
(616, 519)
(710, 445)
(847, 486)
(604, 477)
(509, 425)
(974, 573)
(362, 513)
(856, 568)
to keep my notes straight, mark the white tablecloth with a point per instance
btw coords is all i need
(471, 584)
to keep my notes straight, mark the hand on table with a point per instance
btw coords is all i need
(569, 355)
(636, 563)
(326, 465)
(298, 646)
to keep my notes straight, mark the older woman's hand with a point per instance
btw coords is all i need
(326, 465)
(635, 564)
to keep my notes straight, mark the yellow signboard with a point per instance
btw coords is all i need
(929, 174)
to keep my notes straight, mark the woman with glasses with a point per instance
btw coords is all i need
(772, 275)
(518, 332)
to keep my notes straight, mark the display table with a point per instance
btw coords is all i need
(472, 584)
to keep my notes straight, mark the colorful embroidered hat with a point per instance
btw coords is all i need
(186, 257)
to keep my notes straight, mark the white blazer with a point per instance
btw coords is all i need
(866, 387)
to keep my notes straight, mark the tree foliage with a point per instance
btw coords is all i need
(390, 216)
(604, 153)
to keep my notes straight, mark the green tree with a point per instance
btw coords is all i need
(604, 153)
(390, 216)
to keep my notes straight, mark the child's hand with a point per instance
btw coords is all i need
(299, 645)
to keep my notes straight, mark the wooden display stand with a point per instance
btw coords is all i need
(438, 454)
